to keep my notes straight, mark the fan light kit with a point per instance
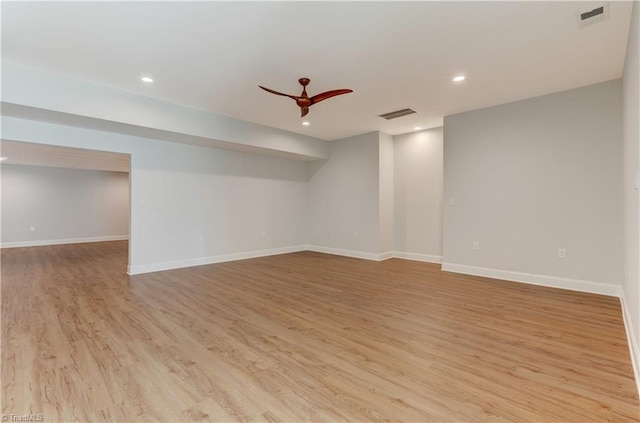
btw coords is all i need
(303, 100)
(459, 78)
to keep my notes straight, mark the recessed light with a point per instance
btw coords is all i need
(306, 123)
(417, 128)
(459, 78)
(2, 159)
(146, 79)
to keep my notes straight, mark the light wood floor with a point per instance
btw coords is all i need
(301, 337)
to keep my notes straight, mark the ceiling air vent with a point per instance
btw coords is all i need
(595, 12)
(397, 114)
(592, 16)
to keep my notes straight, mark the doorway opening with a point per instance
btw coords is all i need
(54, 195)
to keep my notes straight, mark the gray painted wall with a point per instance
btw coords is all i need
(536, 175)
(190, 204)
(62, 204)
(203, 202)
(343, 196)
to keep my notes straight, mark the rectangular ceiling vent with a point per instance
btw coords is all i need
(397, 114)
(589, 17)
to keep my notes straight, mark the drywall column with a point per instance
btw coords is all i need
(386, 186)
(418, 195)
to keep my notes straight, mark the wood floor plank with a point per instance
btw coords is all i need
(303, 337)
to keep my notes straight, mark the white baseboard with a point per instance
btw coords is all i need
(63, 241)
(417, 257)
(386, 256)
(634, 348)
(375, 256)
(347, 253)
(550, 281)
(177, 264)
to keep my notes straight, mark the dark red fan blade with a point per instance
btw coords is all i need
(328, 94)
(277, 93)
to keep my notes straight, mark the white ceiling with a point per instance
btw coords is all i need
(24, 153)
(212, 55)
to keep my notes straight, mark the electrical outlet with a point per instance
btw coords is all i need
(476, 245)
(264, 234)
(32, 228)
(562, 253)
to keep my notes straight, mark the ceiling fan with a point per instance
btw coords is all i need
(303, 100)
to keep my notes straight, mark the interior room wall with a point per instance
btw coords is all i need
(62, 205)
(418, 163)
(631, 134)
(194, 205)
(208, 204)
(526, 179)
(343, 198)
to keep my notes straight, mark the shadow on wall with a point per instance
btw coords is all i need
(314, 167)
